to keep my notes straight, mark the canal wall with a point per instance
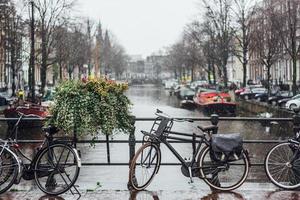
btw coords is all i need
(254, 107)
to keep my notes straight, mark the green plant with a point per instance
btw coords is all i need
(98, 185)
(89, 106)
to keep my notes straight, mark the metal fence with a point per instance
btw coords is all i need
(214, 119)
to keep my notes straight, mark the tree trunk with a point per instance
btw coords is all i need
(225, 78)
(268, 78)
(13, 64)
(70, 72)
(192, 73)
(60, 71)
(294, 86)
(44, 59)
(214, 73)
(209, 73)
(244, 74)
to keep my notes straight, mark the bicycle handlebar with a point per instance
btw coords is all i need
(161, 114)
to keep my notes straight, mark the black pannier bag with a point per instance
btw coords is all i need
(226, 147)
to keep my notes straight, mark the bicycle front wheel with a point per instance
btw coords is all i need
(283, 166)
(144, 166)
(56, 169)
(224, 176)
(8, 169)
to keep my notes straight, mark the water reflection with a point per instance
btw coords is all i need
(286, 195)
(143, 195)
(223, 195)
(48, 197)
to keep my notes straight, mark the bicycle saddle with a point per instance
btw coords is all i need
(50, 129)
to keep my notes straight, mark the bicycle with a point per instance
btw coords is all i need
(55, 167)
(222, 170)
(282, 163)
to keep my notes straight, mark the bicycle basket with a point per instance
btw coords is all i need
(161, 126)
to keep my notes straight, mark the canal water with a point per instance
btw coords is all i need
(146, 99)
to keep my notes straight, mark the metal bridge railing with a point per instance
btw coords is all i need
(214, 119)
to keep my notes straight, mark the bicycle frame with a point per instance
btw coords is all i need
(196, 149)
(193, 141)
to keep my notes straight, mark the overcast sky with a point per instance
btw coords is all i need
(142, 26)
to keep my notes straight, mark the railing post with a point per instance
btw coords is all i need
(107, 148)
(75, 139)
(132, 143)
(214, 119)
(132, 140)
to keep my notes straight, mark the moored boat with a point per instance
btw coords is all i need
(30, 109)
(215, 102)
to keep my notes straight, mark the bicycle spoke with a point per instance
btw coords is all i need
(63, 170)
(142, 172)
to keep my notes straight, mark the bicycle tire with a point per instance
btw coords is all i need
(47, 171)
(283, 152)
(208, 169)
(9, 174)
(146, 151)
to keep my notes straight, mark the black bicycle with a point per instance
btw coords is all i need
(222, 163)
(282, 163)
(55, 167)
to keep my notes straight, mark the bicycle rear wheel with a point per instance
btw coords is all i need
(282, 167)
(144, 166)
(56, 169)
(8, 169)
(223, 176)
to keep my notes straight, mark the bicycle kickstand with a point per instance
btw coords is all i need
(191, 175)
(76, 191)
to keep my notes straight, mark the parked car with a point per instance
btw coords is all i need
(196, 84)
(242, 89)
(251, 92)
(239, 91)
(293, 103)
(6, 98)
(186, 93)
(273, 100)
(265, 96)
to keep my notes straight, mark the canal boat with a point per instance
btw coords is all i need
(29, 109)
(215, 102)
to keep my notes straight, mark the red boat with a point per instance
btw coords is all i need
(215, 102)
(29, 109)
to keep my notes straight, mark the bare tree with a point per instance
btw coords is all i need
(11, 32)
(265, 40)
(288, 25)
(78, 54)
(243, 10)
(98, 50)
(193, 52)
(119, 59)
(62, 45)
(51, 15)
(219, 15)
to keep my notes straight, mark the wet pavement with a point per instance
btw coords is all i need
(251, 193)
(169, 183)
